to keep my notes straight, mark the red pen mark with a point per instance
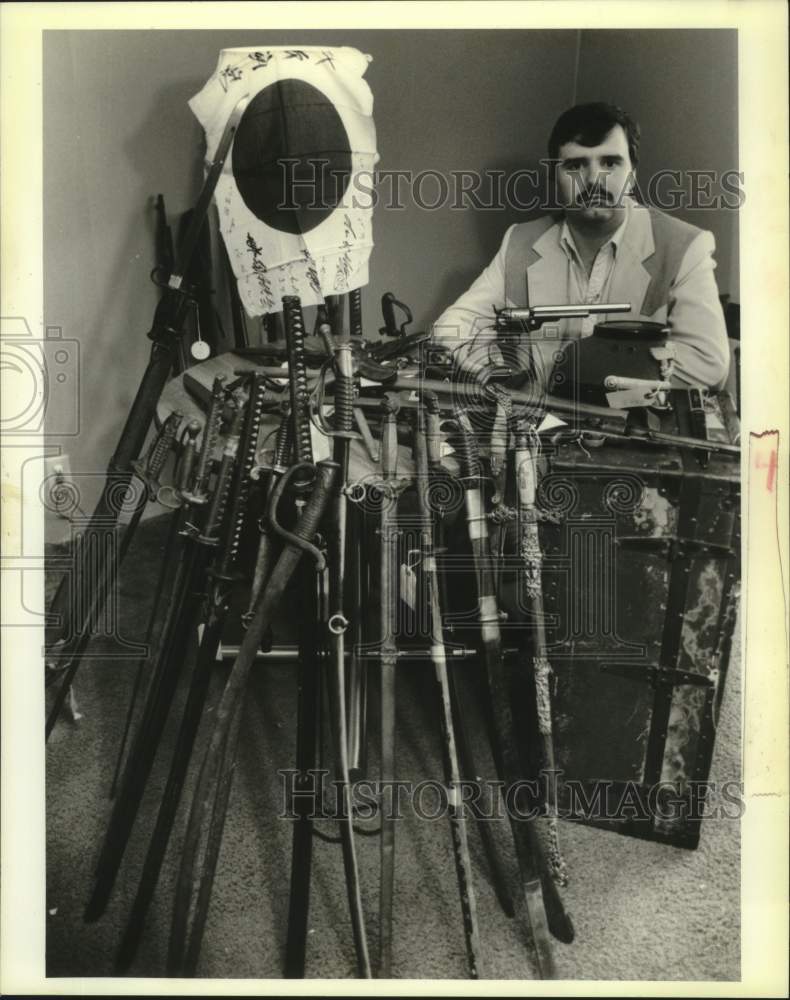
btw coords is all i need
(765, 450)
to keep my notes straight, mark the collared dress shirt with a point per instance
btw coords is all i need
(621, 273)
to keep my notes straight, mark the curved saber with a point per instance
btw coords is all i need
(337, 628)
(209, 805)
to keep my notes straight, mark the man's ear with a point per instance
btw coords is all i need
(632, 187)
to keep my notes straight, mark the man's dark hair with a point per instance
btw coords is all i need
(589, 124)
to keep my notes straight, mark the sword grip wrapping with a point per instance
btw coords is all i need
(283, 441)
(355, 313)
(163, 444)
(186, 462)
(219, 499)
(297, 377)
(210, 435)
(344, 388)
(247, 448)
(263, 561)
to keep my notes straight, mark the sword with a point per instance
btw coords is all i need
(344, 420)
(224, 579)
(526, 453)
(184, 609)
(534, 875)
(388, 661)
(458, 827)
(440, 479)
(209, 805)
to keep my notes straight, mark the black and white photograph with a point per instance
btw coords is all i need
(394, 523)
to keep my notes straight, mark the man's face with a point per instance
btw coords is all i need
(591, 180)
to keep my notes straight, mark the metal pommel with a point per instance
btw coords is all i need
(431, 401)
(390, 404)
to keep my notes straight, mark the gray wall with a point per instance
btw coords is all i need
(117, 130)
(682, 87)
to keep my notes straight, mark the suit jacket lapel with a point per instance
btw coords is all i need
(631, 279)
(548, 271)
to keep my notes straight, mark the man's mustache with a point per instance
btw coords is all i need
(585, 198)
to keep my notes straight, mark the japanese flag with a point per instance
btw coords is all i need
(295, 196)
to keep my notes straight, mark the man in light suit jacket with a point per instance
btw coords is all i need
(603, 247)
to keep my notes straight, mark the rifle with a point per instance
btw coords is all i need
(583, 418)
(165, 333)
(148, 472)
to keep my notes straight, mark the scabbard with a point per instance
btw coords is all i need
(525, 459)
(357, 674)
(309, 672)
(458, 825)
(337, 629)
(209, 805)
(388, 664)
(333, 631)
(505, 745)
(221, 590)
(190, 587)
(173, 528)
(266, 544)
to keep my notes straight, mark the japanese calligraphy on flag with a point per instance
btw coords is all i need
(295, 195)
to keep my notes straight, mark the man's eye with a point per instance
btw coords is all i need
(610, 161)
(572, 165)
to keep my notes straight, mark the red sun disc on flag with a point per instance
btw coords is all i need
(291, 157)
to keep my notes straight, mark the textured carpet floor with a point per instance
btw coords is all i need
(641, 910)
